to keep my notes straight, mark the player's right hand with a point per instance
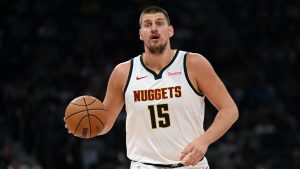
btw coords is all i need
(194, 152)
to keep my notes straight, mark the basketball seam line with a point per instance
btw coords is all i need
(98, 120)
(79, 124)
(88, 116)
(81, 112)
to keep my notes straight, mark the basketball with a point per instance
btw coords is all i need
(85, 117)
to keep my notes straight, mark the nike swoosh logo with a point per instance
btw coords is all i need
(139, 78)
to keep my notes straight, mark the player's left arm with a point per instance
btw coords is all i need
(206, 80)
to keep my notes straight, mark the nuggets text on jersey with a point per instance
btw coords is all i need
(157, 94)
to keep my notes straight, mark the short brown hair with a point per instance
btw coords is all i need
(152, 10)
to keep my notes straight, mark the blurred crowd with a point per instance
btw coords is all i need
(53, 51)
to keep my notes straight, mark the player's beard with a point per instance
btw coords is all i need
(159, 49)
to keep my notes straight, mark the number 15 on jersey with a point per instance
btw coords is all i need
(160, 116)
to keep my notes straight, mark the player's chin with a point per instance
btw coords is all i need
(155, 45)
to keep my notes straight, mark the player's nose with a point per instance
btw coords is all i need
(153, 28)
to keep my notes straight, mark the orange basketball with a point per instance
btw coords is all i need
(85, 117)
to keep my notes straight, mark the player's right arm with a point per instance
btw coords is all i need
(114, 97)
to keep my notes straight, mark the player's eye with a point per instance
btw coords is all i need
(147, 25)
(159, 23)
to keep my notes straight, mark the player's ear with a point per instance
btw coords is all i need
(171, 31)
(140, 34)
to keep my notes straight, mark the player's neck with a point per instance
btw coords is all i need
(157, 62)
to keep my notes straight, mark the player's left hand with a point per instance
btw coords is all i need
(194, 151)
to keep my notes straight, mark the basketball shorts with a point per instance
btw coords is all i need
(138, 165)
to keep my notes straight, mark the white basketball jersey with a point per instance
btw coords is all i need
(164, 111)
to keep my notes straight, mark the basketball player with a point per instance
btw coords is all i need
(164, 91)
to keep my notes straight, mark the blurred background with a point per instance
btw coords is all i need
(53, 51)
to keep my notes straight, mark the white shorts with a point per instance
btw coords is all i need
(137, 165)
